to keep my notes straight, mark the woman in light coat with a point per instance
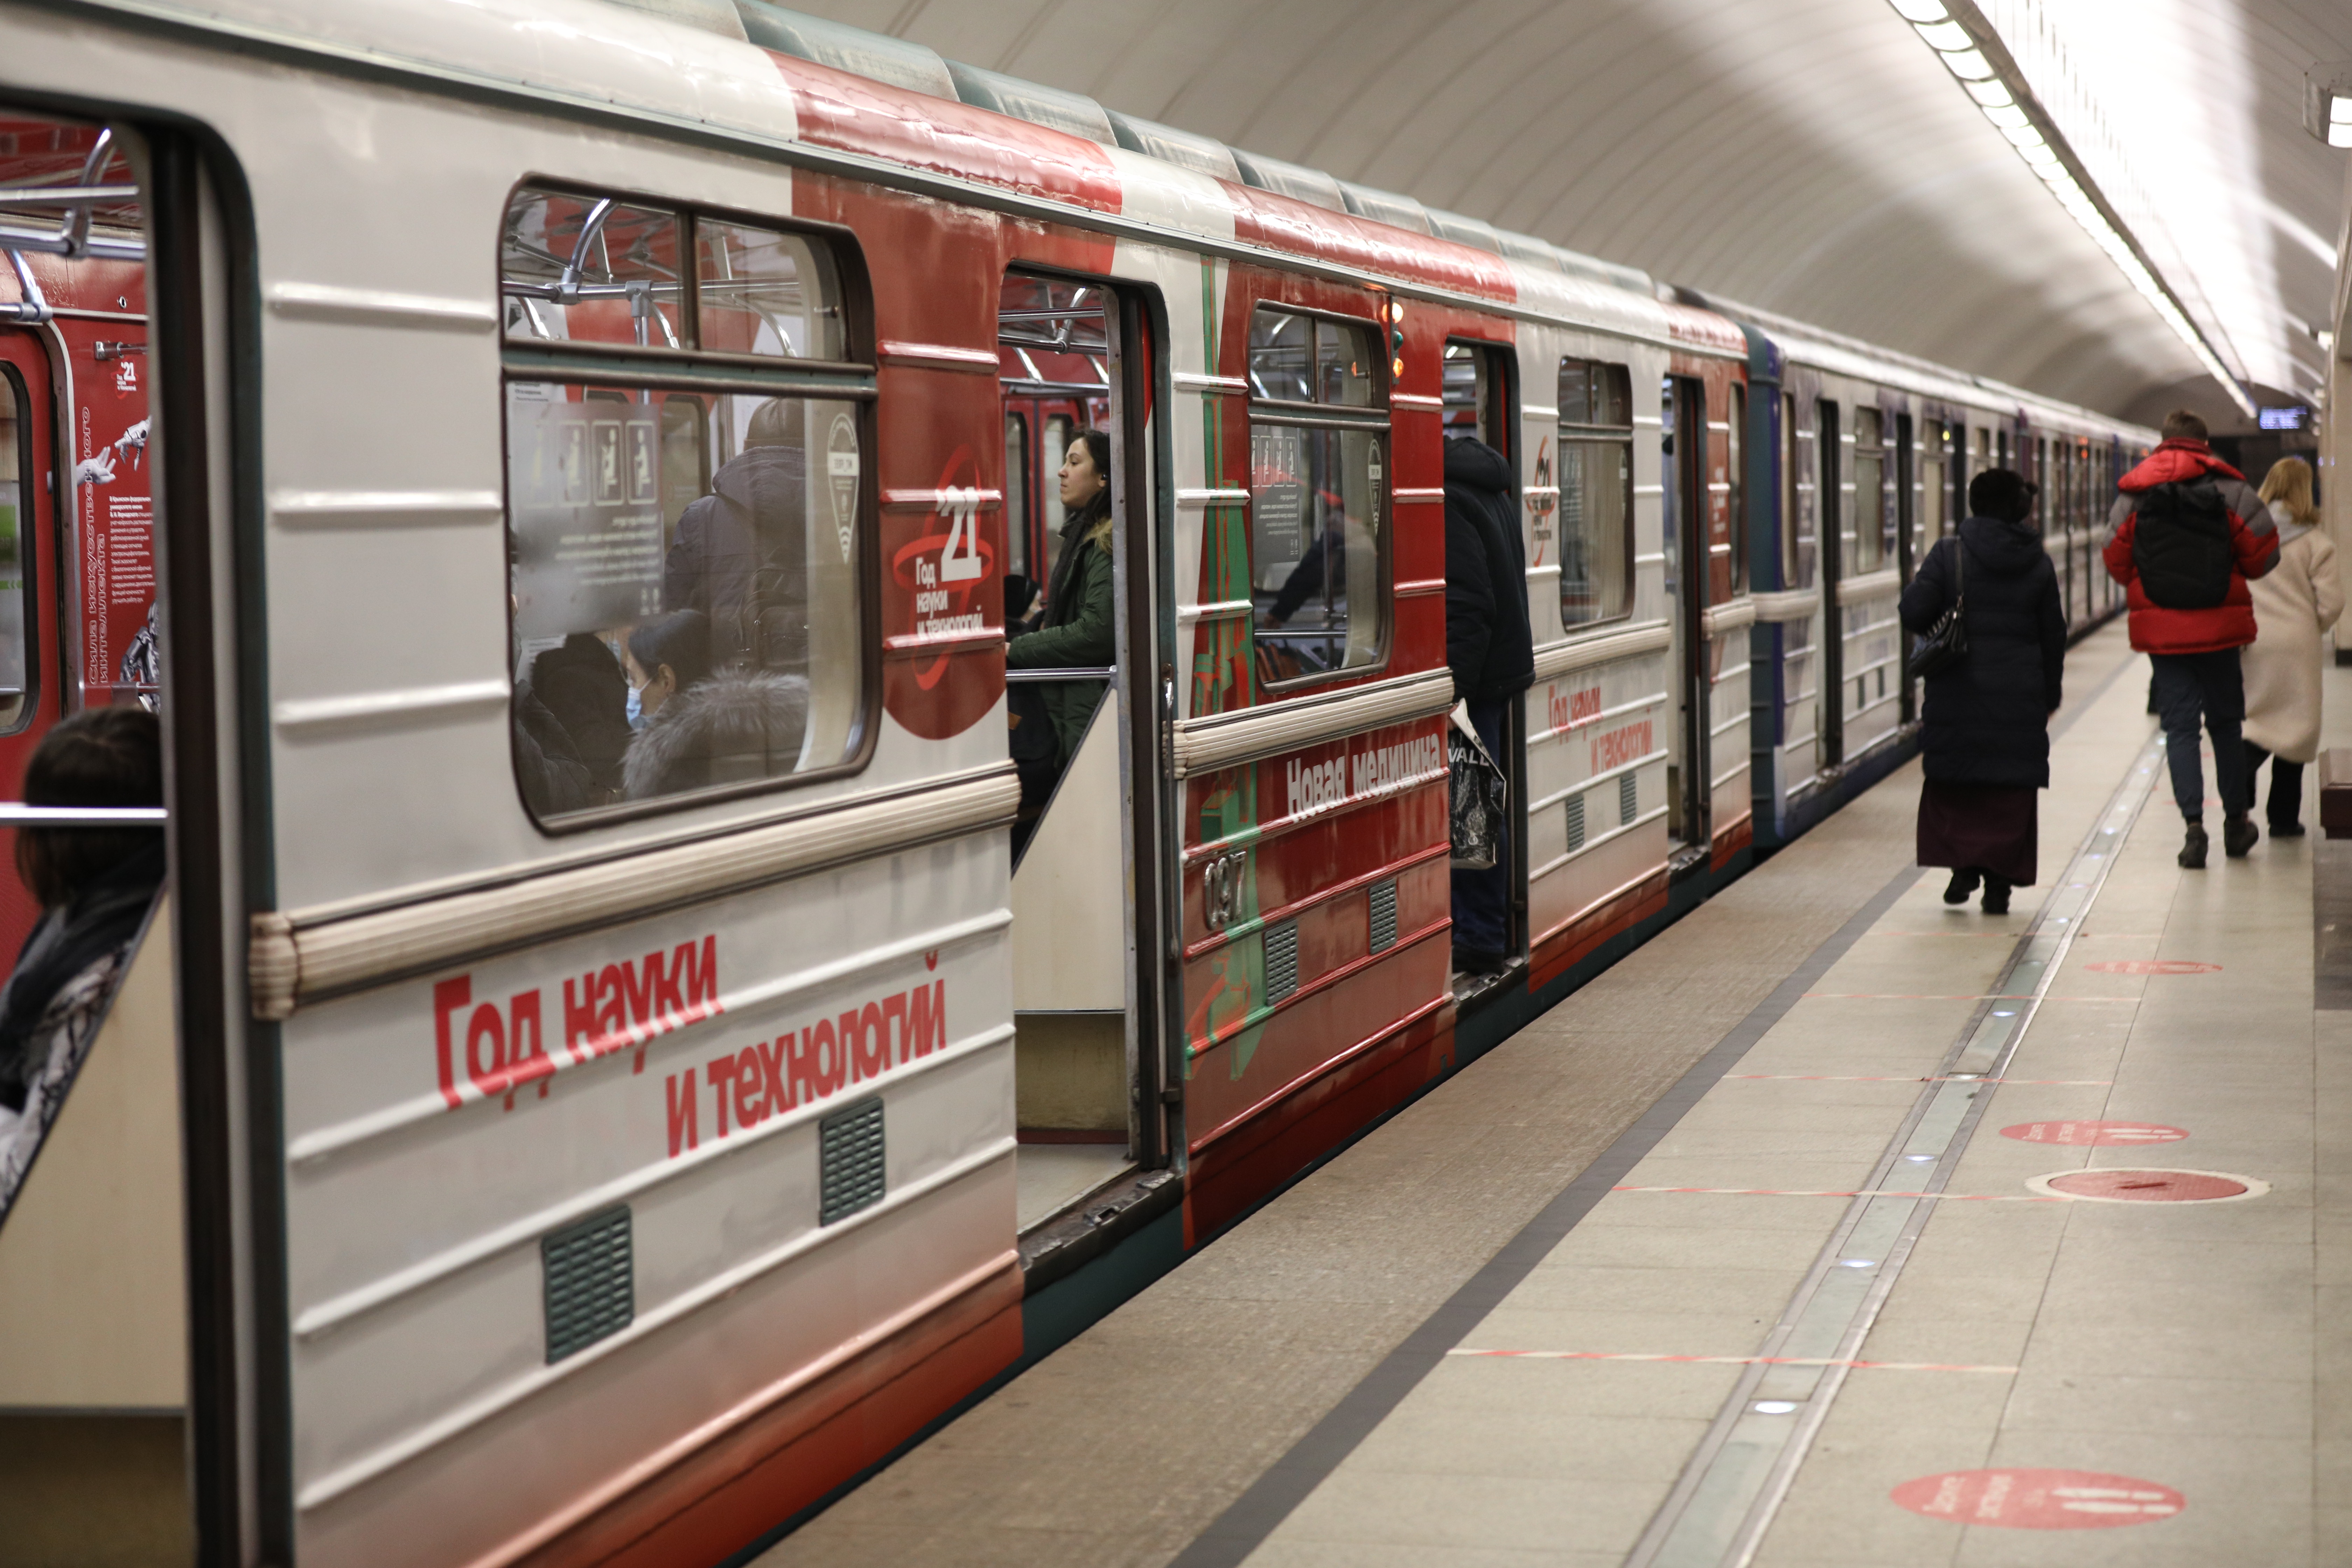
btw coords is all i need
(2294, 606)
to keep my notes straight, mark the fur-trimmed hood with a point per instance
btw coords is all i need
(730, 727)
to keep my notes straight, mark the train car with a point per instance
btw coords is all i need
(642, 1055)
(1867, 455)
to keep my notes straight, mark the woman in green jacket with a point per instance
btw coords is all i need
(1077, 631)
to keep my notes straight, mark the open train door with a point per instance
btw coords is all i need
(127, 1411)
(1076, 355)
(1690, 795)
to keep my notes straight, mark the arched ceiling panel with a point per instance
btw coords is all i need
(1811, 157)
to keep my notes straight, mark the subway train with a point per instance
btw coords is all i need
(605, 1076)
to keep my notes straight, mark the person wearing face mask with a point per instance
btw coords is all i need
(1076, 633)
(701, 727)
(664, 657)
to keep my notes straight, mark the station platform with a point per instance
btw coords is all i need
(1832, 1226)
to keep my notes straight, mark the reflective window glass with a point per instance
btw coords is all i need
(1734, 467)
(1318, 546)
(592, 270)
(1312, 359)
(657, 656)
(1867, 538)
(1596, 492)
(759, 291)
(686, 568)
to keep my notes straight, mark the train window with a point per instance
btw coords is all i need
(1930, 527)
(1317, 547)
(1868, 551)
(760, 291)
(686, 575)
(1796, 517)
(1596, 492)
(1735, 446)
(16, 492)
(592, 270)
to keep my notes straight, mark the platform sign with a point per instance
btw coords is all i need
(2094, 1133)
(2040, 1499)
(2149, 1186)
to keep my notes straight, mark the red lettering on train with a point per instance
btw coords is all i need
(1569, 709)
(1617, 747)
(610, 1008)
(682, 1113)
(754, 1082)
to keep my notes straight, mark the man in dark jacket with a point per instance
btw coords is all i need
(2183, 537)
(1490, 650)
(740, 553)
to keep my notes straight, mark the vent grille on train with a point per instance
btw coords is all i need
(1384, 895)
(849, 1160)
(1576, 822)
(590, 1282)
(1628, 798)
(1281, 961)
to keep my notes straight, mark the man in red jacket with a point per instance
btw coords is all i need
(2185, 534)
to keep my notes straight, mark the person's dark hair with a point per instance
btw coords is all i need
(2182, 426)
(1096, 512)
(2003, 494)
(101, 756)
(775, 423)
(680, 641)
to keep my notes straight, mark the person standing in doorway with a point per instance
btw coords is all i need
(2293, 607)
(1491, 651)
(2185, 536)
(1985, 737)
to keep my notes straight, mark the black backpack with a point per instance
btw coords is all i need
(2180, 545)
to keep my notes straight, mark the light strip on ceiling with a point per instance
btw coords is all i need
(2010, 105)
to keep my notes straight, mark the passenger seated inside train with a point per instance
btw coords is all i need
(1049, 718)
(1307, 578)
(95, 887)
(630, 503)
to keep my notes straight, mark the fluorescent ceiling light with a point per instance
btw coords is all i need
(2339, 133)
(1949, 35)
(2023, 136)
(2339, 110)
(1969, 64)
(1991, 93)
(1916, 11)
(2008, 116)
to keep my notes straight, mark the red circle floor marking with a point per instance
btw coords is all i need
(2094, 1132)
(2152, 966)
(2149, 1186)
(2039, 1499)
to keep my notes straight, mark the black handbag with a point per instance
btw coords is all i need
(1944, 645)
(1479, 794)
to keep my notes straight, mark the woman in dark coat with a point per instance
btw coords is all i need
(1986, 739)
(1077, 633)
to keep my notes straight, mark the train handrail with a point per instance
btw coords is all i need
(1019, 676)
(20, 814)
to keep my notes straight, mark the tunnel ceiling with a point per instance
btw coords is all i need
(1811, 157)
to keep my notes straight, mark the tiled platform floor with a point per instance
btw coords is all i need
(2191, 1347)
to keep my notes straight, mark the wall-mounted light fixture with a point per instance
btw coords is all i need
(2328, 102)
(1973, 51)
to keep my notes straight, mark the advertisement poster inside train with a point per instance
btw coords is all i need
(114, 507)
(583, 481)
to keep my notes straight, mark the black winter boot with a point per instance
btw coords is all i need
(2192, 851)
(2238, 836)
(1963, 883)
(1996, 896)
